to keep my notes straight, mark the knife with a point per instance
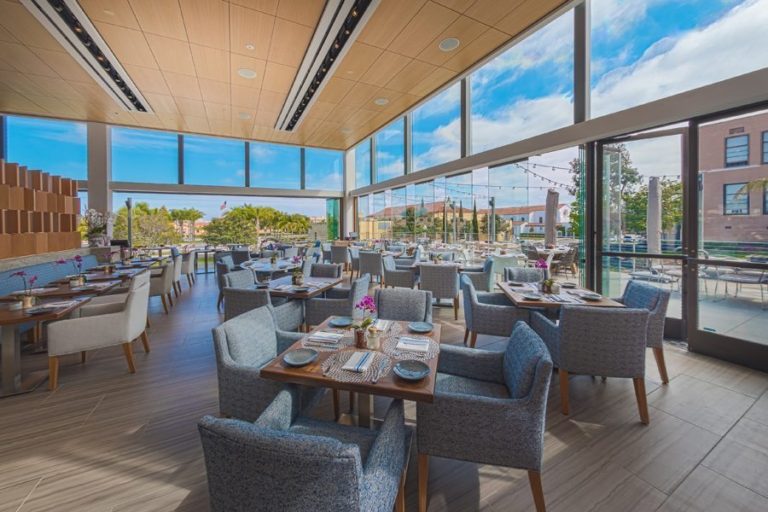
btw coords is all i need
(381, 369)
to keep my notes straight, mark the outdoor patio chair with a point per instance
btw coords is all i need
(405, 278)
(490, 313)
(443, 282)
(524, 274)
(403, 305)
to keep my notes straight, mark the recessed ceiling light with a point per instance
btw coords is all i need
(244, 115)
(249, 46)
(449, 44)
(381, 101)
(246, 73)
(108, 12)
(350, 72)
(346, 131)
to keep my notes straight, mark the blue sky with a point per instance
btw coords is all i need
(641, 51)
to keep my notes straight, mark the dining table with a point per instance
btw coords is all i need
(63, 289)
(523, 295)
(311, 288)
(124, 274)
(377, 380)
(444, 263)
(11, 319)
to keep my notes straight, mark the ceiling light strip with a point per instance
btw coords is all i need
(339, 26)
(70, 26)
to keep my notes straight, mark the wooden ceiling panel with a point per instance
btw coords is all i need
(184, 57)
(162, 17)
(172, 54)
(116, 12)
(207, 22)
(430, 21)
(251, 28)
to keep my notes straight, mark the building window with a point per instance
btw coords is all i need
(737, 151)
(735, 199)
(765, 147)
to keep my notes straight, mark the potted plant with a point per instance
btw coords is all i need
(368, 307)
(297, 276)
(27, 299)
(97, 224)
(544, 266)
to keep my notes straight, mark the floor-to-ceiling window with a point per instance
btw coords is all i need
(324, 169)
(214, 161)
(390, 151)
(56, 147)
(436, 132)
(275, 166)
(363, 164)
(144, 156)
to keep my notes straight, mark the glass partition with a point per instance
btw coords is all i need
(144, 156)
(275, 166)
(363, 164)
(401, 215)
(436, 137)
(324, 169)
(214, 161)
(390, 151)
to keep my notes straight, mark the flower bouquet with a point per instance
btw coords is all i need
(27, 299)
(368, 308)
(97, 224)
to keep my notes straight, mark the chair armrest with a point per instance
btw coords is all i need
(544, 327)
(493, 299)
(285, 339)
(337, 293)
(101, 309)
(476, 364)
(76, 334)
(283, 410)
(386, 460)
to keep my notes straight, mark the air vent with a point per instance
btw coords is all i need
(339, 25)
(67, 22)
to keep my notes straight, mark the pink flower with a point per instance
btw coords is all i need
(20, 273)
(541, 264)
(366, 304)
(32, 280)
(78, 258)
(61, 261)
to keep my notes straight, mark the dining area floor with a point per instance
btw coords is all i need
(106, 440)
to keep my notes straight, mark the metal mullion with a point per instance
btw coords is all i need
(690, 302)
(466, 114)
(303, 165)
(247, 164)
(180, 158)
(374, 167)
(581, 65)
(597, 224)
(588, 184)
(408, 142)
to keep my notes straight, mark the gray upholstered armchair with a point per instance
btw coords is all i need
(403, 305)
(489, 408)
(404, 278)
(443, 282)
(340, 255)
(327, 270)
(609, 342)
(523, 274)
(488, 313)
(288, 314)
(482, 279)
(239, 279)
(243, 345)
(287, 462)
(354, 260)
(406, 262)
(371, 263)
(655, 300)
(317, 310)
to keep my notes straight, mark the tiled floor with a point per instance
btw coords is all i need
(110, 441)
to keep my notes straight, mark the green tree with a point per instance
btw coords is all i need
(186, 218)
(501, 226)
(475, 226)
(245, 224)
(636, 207)
(151, 226)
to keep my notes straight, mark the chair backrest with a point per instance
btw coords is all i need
(389, 263)
(527, 365)
(257, 468)
(371, 263)
(240, 256)
(240, 300)
(177, 267)
(290, 252)
(469, 298)
(188, 263)
(655, 300)
(532, 253)
(330, 270)
(354, 253)
(239, 279)
(222, 269)
(359, 289)
(524, 275)
(609, 342)
(339, 254)
(441, 280)
(226, 259)
(403, 304)
(139, 279)
(136, 306)
(248, 339)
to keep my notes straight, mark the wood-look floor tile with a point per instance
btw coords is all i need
(742, 456)
(705, 490)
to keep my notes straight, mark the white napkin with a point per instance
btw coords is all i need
(413, 344)
(381, 325)
(33, 290)
(60, 304)
(325, 337)
(359, 362)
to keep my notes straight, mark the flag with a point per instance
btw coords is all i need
(223, 206)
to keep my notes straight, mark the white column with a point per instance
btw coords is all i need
(653, 224)
(99, 167)
(349, 184)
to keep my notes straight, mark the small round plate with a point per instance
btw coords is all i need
(301, 289)
(515, 283)
(411, 370)
(300, 357)
(420, 327)
(591, 296)
(532, 296)
(261, 286)
(40, 310)
(340, 321)
(567, 285)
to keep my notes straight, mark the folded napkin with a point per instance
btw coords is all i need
(325, 337)
(359, 362)
(381, 325)
(33, 291)
(413, 344)
(60, 304)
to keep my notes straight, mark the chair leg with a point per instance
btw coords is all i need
(658, 354)
(400, 499)
(165, 304)
(170, 299)
(466, 335)
(565, 405)
(189, 280)
(336, 410)
(148, 323)
(456, 307)
(642, 399)
(53, 372)
(220, 300)
(534, 478)
(83, 356)
(145, 341)
(423, 480)
(127, 350)
(473, 339)
(352, 398)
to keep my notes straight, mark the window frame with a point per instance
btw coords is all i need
(725, 199)
(725, 147)
(764, 148)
